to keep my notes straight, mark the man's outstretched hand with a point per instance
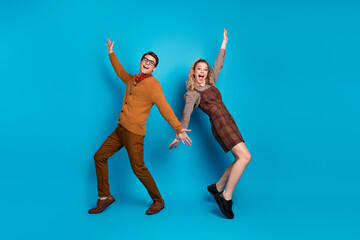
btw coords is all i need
(109, 46)
(174, 144)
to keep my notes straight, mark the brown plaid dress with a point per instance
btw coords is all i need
(223, 125)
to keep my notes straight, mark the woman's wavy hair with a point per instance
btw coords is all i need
(190, 83)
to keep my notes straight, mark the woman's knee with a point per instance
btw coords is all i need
(247, 158)
(241, 153)
(244, 158)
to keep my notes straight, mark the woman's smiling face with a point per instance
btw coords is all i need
(201, 72)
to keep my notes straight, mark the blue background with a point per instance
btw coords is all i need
(290, 80)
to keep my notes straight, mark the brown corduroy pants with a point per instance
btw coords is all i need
(135, 148)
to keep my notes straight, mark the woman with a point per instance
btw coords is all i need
(202, 93)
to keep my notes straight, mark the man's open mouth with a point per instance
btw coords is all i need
(145, 67)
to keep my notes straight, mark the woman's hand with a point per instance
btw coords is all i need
(109, 46)
(174, 144)
(225, 40)
(225, 36)
(184, 137)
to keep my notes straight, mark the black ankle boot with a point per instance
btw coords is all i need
(212, 189)
(224, 205)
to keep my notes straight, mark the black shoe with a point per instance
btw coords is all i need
(212, 189)
(224, 205)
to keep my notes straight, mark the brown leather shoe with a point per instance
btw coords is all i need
(102, 204)
(155, 207)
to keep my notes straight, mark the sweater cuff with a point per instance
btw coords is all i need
(178, 130)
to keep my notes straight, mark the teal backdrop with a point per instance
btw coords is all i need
(291, 80)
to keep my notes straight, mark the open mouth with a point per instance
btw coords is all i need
(145, 67)
(201, 77)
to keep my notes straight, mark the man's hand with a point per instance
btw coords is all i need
(184, 137)
(174, 144)
(109, 46)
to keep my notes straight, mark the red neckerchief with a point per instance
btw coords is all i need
(139, 78)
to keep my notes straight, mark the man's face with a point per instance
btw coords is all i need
(147, 65)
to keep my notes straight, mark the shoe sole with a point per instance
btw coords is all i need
(218, 201)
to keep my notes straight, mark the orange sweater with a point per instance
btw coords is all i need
(138, 100)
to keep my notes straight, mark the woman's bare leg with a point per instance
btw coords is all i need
(224, 178)
(235, 169)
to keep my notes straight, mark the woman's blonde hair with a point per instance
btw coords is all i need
(190, 83)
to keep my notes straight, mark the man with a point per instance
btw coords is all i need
(142, 92)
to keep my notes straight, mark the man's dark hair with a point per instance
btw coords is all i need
(153, 55)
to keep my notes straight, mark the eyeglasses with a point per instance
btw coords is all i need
(148, 61)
